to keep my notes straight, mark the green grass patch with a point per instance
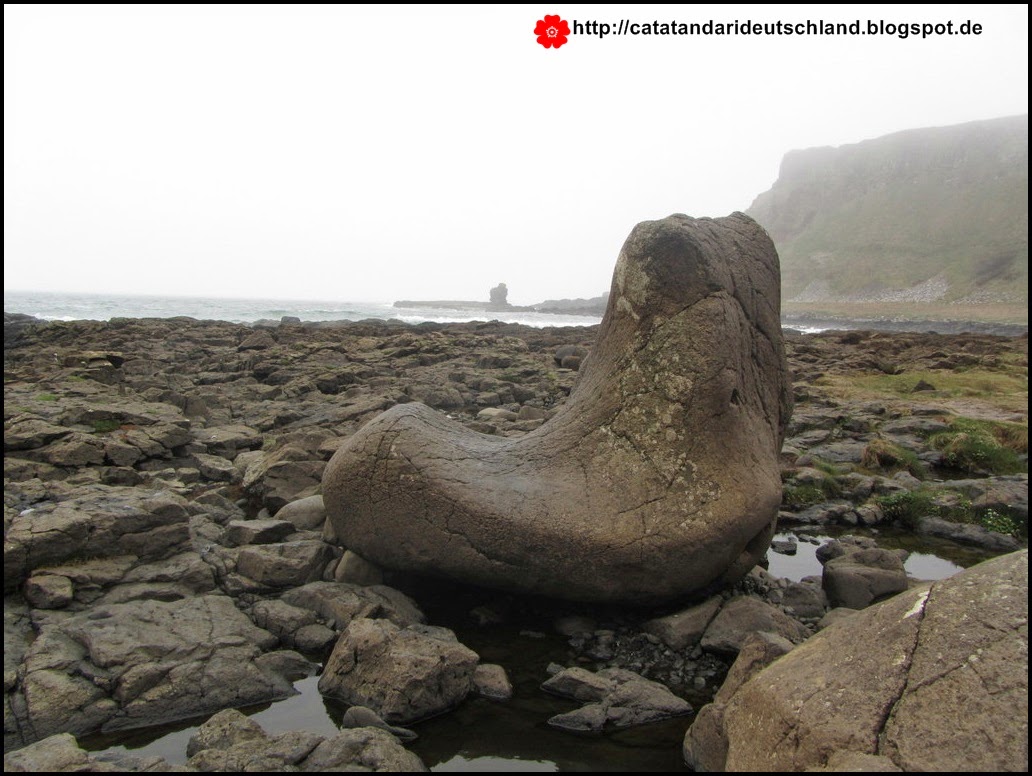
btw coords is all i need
(828, 468)
(46, 397)
(881, 454)
(814, 491)
(799, 496)
(983, 446)
(908, 507)
(105, 426)
(969, 383)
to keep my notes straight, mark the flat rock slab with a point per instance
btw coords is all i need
(103, 522)
(615, 698)
(142, 663)
(403, 674)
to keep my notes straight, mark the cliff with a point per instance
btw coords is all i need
(924, 215)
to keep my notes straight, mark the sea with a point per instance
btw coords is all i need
(53, 306)
(102, 307)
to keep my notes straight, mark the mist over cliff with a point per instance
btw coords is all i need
(924, 215)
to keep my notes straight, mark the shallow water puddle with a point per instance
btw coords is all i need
(935, 563)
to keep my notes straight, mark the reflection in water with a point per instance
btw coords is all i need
(937, 558)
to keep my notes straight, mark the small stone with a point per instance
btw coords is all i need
(491, 681)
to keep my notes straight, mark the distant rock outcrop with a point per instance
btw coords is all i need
(658, 477)
(924, 215)
(499, 296)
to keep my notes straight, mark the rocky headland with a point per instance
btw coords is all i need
(167, 554)
(498, 302)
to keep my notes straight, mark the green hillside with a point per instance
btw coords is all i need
(934, 215)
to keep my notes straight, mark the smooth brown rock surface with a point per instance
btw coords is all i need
(657, 478)
(933, 679)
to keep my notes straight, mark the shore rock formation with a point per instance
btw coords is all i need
(660, 475)
(933, 679)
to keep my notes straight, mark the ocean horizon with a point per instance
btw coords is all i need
(56, 306)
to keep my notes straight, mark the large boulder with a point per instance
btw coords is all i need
(933, 679)
(658, 477)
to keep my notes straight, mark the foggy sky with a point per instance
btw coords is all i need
(385, 153)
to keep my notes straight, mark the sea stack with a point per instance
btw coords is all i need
(658, 478)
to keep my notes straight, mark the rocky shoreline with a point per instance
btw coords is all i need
(167, 554)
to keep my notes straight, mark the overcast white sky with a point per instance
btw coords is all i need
(372, 154)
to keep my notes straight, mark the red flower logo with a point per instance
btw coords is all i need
(551, 31)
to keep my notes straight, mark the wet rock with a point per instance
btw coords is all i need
(224, 730)
(836, 548)
(967, 533)
(362, 716)
(287, 663)
(491, 681)
(614, 696)
(858, 579)
(230, 742)
(366, 749)
(403, 674)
